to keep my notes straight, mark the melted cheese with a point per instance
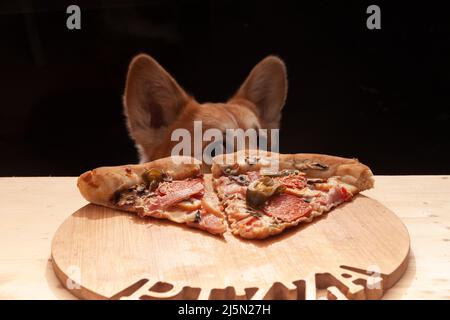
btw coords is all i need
(180, 216)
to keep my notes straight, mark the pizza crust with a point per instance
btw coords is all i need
(100, 185)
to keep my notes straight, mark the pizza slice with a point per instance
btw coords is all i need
(264, 193)
(170, 188)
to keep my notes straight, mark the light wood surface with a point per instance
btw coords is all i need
(32, 209)
(99, 253)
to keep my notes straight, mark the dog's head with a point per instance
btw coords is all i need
(155, 105)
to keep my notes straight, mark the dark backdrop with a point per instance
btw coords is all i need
(379, 95)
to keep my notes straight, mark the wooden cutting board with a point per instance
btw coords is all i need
(357, 251)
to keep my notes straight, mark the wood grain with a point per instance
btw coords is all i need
(98, 253)
(32, 209)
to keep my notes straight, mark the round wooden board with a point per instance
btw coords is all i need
(357, 251)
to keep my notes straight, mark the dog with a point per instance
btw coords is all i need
(155, 105)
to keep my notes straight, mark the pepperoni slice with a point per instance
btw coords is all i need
(287, 207)
(293, 181)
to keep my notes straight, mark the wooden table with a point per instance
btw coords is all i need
(31, 209)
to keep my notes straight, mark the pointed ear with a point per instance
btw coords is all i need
(152, 100)
(266, 88)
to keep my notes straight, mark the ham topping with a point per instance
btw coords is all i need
(293, 181)
(212, 223)
(166, 195)
(170, 193)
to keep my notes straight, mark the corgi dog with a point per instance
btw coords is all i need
(155, 105)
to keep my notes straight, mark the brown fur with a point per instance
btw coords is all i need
(155, 104)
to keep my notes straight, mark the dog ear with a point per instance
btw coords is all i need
(152, 99)
(266, 88)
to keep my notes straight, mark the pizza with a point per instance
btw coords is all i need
(264, 193)
(255, 194)
(170, 188)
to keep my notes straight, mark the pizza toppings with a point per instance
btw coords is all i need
(145, 202)
(287, 207)
(230, 169)
(134, 196)
(190, 204)
(282, 173)
(207, 221)
(241, 179)
(236, 208)
(182, 201)
(170, 193)
(262, 189)
(226, 187)
(307, 164)
(153, 177)
(337, 195)
(212, 223)
(211, 204)
(313, 181)
(259, 204)
(293, 181)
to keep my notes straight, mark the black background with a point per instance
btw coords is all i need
(379, 95)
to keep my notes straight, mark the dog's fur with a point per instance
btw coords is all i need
(155, 105)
